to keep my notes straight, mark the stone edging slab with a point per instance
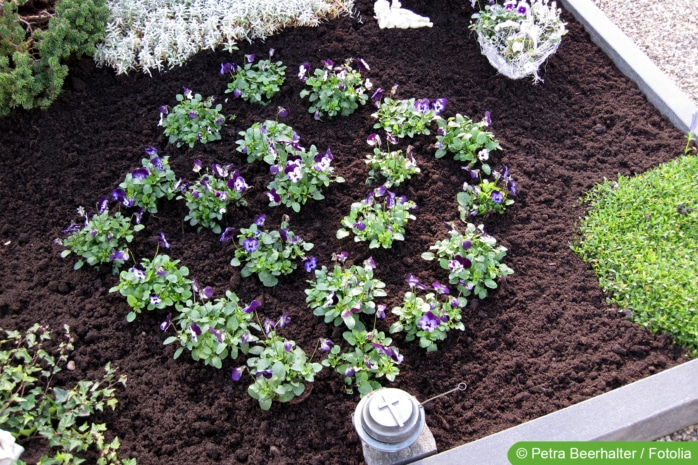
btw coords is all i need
(659, 89)
(641, 411)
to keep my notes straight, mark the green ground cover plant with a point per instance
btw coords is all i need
(640, 236)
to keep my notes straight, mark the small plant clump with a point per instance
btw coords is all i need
(335, 89)
(403, 118)
(255, 82)
(392, 167)
(489, 194)
(33, 409)
(472, 258)
(468, 141)
(144, 186)
(268, 141)
(192, 119)
(380, 219)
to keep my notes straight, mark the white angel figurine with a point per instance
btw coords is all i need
(394, 16)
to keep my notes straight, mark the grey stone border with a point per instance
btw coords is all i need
(659, 89)
(644, 410)
(641, 411)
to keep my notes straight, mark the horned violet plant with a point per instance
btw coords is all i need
(380, 218)
(407, 117)
(466, 140)
(428, 319)
(472, 258)
(335, 89)
(486, 194)
(102, 237)
(268, 141)
(267, 253)
(208, 198)
(192, 119)
(255, 82)
(392, 167)
(144, 186)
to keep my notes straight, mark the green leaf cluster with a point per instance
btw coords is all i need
(101, 236)
(267, 141)
(467, 140)
(380, 219)
(489, 195)
(32, 62)
(145, 192)
(415, 307)
(225, 329)
(640, 236)
(391, 168)
(401, 118)
(481, 250)
(258, 82)
(193, 119)
(33, 408)
(160, 277)
(335, 90)
(273, 256)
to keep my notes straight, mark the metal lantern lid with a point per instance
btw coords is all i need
(389, 419)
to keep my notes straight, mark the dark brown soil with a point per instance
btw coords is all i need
(545, 340)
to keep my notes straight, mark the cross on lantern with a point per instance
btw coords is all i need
(391, 408)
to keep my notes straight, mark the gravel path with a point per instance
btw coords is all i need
(666, 30)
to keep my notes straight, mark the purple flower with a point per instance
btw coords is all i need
(359, 225)
(254, 305)
(393, 90)
(161, 272)
(389, 351)
(380, 311)
(497, 197)
(282, 112)
(422, 105)
(309, 263)
(413, 282)
(522, 10)
(167, 323)
(193, 114)
(155, 300)
(268, 325)
(187, 92)
(273, 196)
(219, 170)
(317, 116)
(197, 166)
(466, 244)
(439, 105)
(325, 344)
(288, 345)
(151, 151)
(294, 169)
(237, 373)
(158, 163)
(488, 118)
(340, 257)
(391, 138)
(284, 320)
(195, 331)
(163, 242)
(245, 338)
(327, 63)
(249, 58)
(163, 109)
(349, 372)
(323, 160)
(119, 255)
(370, 263)
(429, 322)
(350, 312)
(102, 204)
(510, 5)
(227, 68)
(266, 373)
(227, 234)
(511, 185)
(118, 195)
(237, 183)
(373, 140)
(138, 273)
(283, 232)
(302, 71)
(207, 292)
(259, 219)
(138, 215)
(218, 334)
(250, 244)
(237, 93)
(440, 288)
(377, 97)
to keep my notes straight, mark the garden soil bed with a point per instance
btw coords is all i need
(546, 339)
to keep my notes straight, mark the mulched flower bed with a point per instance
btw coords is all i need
(543, 341)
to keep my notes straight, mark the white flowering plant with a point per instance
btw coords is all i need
(428, 318)
(300, 175)
(255, 82)
(154, 284)
(518, 36)
(472, 258)
(208, 198)
(212, 330)
(192, 119)
(144, 186)
(380, 218)
(335, 89)
(268, 141)
(486, 194)
(268, 253)
(390, 167)
(466, 140)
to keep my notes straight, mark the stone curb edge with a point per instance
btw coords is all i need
(659, 89)
(641, 411)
